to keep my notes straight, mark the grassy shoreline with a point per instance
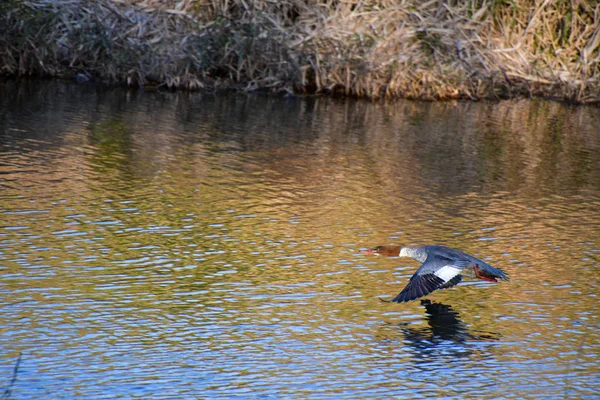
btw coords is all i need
(435, 50)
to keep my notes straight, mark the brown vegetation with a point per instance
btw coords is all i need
(405, 48)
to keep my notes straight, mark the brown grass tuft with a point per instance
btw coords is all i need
(376, 49)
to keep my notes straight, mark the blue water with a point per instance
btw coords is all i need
(171, 245)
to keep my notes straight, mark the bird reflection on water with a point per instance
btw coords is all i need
(446, 337)
(445, 324)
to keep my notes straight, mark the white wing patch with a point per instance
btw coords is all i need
(446, 273)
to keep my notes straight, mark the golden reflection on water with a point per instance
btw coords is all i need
(224, 230)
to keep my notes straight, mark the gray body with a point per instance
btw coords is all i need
(442, 267)
(435, 257)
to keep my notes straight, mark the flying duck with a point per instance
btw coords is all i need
(442, 267)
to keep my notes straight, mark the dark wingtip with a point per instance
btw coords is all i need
(403, 297)
(419, 286)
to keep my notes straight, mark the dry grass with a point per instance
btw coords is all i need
(377, 49)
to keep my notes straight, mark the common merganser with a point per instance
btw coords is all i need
(442, 268)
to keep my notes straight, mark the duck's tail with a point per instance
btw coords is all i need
(488, 273)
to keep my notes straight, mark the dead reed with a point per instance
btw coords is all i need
(8, 390)
(476, 49)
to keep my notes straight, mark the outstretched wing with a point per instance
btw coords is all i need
(435, 273)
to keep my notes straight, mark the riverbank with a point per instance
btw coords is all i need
(388, 49)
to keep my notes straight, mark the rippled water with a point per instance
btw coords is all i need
(161, 245)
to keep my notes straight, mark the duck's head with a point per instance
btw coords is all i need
(389, 251)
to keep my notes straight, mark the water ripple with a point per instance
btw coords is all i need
(170, 245)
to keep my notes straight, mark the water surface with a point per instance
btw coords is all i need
(172, 245)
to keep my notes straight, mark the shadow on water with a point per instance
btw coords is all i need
(445, 337)
(445, 324)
